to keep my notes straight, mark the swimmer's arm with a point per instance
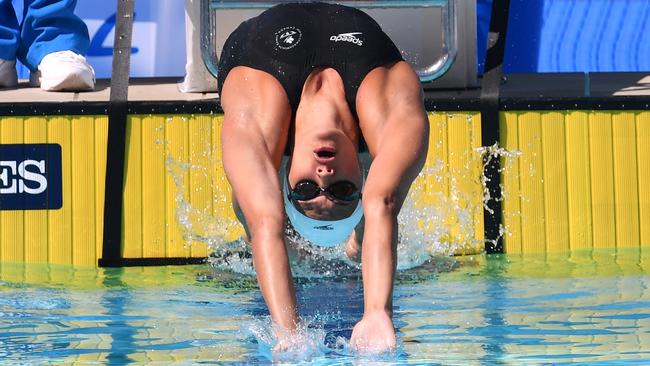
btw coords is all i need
(251, 157)
(394, 123)
(396, 165)
(255, 187)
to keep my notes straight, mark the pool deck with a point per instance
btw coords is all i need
(140, 89)
(577, 90)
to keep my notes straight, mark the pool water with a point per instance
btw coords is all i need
(588, 307)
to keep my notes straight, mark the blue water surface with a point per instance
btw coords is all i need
(589, 308)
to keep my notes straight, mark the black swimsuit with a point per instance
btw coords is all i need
(289, 41)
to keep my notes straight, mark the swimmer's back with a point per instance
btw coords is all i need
(289, 41)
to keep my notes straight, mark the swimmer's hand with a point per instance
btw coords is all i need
(286, 338)
(282, 345)
(374, 334)
(297, 344)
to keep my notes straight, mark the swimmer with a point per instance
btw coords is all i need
(321, 83)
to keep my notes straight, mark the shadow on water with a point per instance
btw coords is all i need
(496, 290)
(127, 330)
(123, 335)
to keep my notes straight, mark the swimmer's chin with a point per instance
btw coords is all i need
(332, 138)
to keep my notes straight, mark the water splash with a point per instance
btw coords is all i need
(199, 223)
(309, 343)
(508, 158)
(306, 344)
(438, 218)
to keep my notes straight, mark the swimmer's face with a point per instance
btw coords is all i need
(327, 159)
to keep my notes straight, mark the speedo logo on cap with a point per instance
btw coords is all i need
(348, 37)
(324, 227)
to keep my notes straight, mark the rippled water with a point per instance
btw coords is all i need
(591, 308)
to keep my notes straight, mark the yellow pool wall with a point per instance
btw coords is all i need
(582, 180)
(175, 158)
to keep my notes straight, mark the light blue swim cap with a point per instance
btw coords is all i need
(320, 232)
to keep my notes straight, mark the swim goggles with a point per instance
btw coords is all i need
(308, 189)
